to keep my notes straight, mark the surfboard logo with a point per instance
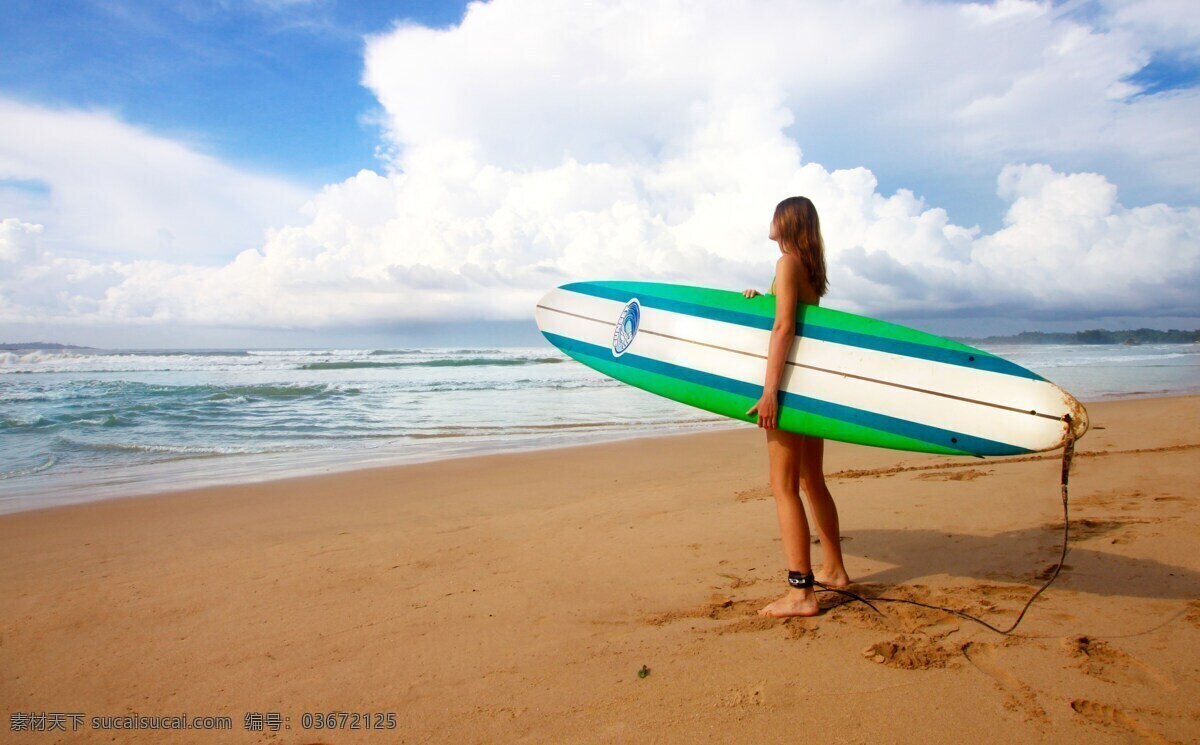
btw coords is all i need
(627, 327)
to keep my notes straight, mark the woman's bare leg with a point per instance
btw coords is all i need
(812, 478)
(785, 452)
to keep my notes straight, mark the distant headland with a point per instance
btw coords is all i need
(1094, 336)
(35, 345)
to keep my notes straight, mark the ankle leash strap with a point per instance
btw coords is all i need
(801, 580)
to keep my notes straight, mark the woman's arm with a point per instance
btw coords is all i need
(783, 332)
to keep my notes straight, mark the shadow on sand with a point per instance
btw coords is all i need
(1026, 556)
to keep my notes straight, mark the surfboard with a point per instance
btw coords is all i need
(847, 377)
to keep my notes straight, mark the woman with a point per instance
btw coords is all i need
(796, 460)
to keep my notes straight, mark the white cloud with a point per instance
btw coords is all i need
(1173, 24)
(912, 85)
(18, 241)
(541, 142)
(108, 189)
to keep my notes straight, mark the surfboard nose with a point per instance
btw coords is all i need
(540, 309)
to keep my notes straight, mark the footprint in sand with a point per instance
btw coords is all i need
(741, 698)
(952, 475)
(1118, 498)
(1193, 614)
(717, 608)
(1111, 716)
(1099, 659)
(757, 493)
(910, 653)
(896, 617)
(735, 581)
(1086, 528)
(1020, 697)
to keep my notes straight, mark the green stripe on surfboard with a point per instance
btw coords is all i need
(764, 306)
(735, 406)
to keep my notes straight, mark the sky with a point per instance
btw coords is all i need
(212, 173)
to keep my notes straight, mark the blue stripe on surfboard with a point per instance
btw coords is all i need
(812, 331)
(882, 422)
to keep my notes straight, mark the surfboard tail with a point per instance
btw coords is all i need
(1079, 422)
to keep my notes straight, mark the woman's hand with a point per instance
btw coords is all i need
(768, 410)
(751, 292)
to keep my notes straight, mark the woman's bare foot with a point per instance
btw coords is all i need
(837, 578)
(795, 603)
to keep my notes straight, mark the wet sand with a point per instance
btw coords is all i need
(516, 597)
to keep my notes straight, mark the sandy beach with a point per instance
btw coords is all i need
(516, 597)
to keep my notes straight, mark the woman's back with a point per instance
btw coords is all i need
(807, 294)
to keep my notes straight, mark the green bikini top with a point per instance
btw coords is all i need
(772, 290)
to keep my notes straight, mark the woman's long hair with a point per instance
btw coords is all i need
(799, 231)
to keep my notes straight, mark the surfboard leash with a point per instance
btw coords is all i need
(1068, 455)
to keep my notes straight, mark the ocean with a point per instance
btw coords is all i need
(80, 425)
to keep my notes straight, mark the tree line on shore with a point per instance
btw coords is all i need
(1096, 336)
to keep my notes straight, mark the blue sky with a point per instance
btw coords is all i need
(295, 171)
(267, 85)
(1168, 72)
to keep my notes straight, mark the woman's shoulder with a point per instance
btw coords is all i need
(791, 268)
(789, 264)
